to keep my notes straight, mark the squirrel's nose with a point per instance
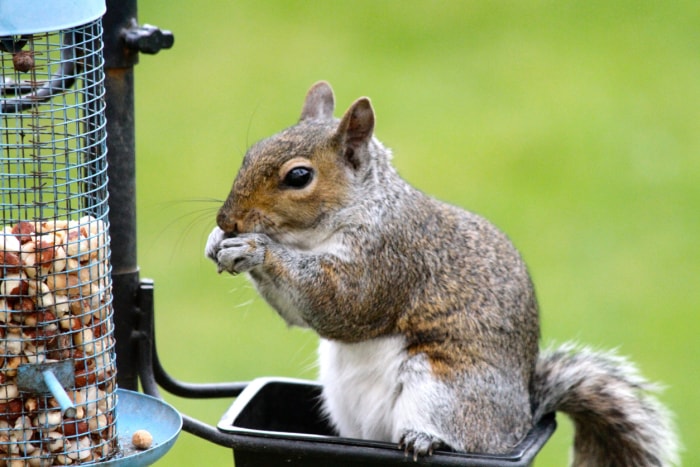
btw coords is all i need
(227, 224)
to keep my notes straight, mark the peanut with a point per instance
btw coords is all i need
(73, 427)
(23, 231)
(142, 439)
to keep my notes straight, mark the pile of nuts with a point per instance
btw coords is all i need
(55, 305)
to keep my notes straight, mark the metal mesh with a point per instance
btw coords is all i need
(56, 329)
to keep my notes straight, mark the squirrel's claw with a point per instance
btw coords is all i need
(420, 443)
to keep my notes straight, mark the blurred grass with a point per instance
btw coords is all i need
(574, 126)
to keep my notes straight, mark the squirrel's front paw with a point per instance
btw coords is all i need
(214, 243)
(419, 443)
(241, 253)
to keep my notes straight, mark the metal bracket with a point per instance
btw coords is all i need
(148, 39)
(152, 374)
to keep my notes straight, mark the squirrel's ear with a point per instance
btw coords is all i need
(319, 103)
(355, 131)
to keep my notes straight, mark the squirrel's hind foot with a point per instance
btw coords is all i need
(420, 443)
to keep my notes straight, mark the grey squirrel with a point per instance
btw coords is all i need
(426, 312)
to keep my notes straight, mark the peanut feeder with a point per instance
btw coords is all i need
(57, 361)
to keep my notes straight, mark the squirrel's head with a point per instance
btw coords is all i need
(290, 184)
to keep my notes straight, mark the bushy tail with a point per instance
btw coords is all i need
(617, 420)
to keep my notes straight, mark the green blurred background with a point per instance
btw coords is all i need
(574, 126)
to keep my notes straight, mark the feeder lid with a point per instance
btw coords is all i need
(19, 17)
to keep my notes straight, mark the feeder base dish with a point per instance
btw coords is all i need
(278, 421)
(137, 411)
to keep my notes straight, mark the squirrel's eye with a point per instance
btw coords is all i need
(298, 177)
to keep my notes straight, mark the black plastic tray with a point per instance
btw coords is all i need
(277, 421)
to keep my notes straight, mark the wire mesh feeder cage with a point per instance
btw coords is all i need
(58, 374)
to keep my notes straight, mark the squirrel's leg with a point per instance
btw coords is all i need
(468, 411)
(494, 414)
(420, 408)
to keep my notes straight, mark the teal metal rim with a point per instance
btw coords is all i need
(21, 17)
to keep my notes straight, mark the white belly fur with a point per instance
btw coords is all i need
(375, 390)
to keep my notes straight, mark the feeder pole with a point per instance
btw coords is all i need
(123, 40)
(121, 159)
